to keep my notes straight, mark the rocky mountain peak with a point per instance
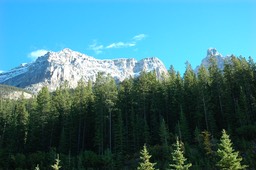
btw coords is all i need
(212, 52)
(54, 68)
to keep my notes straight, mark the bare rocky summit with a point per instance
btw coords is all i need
(54, 68)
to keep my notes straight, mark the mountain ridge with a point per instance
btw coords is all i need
(54, 68)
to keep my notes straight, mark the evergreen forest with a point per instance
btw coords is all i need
(176, 122)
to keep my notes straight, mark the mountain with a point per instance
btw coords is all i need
(54, 68)
(10, 92)
(212, 52)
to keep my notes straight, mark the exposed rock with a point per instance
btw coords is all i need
(54, 68)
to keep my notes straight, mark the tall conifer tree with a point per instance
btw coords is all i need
(145, 163)
(178, 158)
(229, 158)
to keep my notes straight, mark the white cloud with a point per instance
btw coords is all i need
(139, 37)
(1, 71)
(121, 45)
(96, 48)
(133, 42)
(38, 53)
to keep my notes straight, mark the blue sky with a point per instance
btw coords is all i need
(174, 31)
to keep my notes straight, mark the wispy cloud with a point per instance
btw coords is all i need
(121, 45)
(96, 48)
(133, 42)
(38, 53)
(139, 37)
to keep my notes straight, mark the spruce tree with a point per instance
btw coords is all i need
(229, 158)
(164, 133)
(21, 125)
(56, 166)
(37, 167)
(207, 142)
(178, 158)
(126, 106)
(105, 91)
(43, 115)
(145, 163)
(182, 126)
(190, 95)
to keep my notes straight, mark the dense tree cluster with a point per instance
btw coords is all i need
(104, 125)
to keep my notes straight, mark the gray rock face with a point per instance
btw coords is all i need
(212, 52)
(15, 95)
(54, 68)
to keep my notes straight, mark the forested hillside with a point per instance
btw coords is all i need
(104, 125)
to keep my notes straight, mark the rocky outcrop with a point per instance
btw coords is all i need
(54, 68)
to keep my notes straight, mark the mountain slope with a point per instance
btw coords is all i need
(10, 92)
(54, 68)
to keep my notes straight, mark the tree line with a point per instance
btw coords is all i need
(104, 125)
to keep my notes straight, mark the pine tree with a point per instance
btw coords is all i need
(203, 99)
(207, 142)
(189, 97)
(37, 167)
(145, 163)
(118, 139)
(56, 166)
(178, 158)
(182, 126)
(105, 91)
(229, 159)
(21, 125)
(215, 94)
(164, 133)
(44, 104)
(80, 117)
(126, 104)
(43, 114)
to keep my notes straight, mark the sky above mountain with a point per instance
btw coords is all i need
(175, 31)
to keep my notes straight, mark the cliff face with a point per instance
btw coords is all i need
(54, 68)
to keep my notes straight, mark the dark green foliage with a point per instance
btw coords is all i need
(105, 101)
(21, 126)
(89, 159)
(182, 126)
(164, 134)
(102, 125)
